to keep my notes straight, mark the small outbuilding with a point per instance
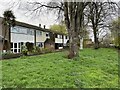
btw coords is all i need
(50, 44)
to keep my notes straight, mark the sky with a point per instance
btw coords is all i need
(20, 13)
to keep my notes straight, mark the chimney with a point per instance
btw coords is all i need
(39, 25)
(44, 26)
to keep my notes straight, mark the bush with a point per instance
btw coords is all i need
(29, 46)
(37, 50)
(24, 50)
(9, 55)
(48, 50)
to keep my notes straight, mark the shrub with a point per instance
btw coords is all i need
(7, 53)
(37, 50)
(29, 46)
(48, 50)
(24, 50)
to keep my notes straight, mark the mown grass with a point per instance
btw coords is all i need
(93, 69)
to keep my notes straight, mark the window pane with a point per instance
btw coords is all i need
(15, 50)
(18, 50)
(19, 45)
(15, 30)
(47, 35)
(40, 44)
(15, 45)
(40, 33)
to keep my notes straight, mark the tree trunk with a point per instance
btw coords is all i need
(81, 43)
(73, 13)
(9, 42)
(35, 38)
(96, 42)
(4, 36)
(73, 46)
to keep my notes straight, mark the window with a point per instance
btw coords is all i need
(23, 30)
(30, 32)
(19, 29)
(47, 34)
(15, 29)
(19, 45)
(16, 47)
(19, 50)
(60, 45)
(60, 36)
(38, 33)
(40, 44)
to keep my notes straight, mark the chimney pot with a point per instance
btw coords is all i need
(39, 25)
(44, 26)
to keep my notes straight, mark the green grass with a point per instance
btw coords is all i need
(93, 69)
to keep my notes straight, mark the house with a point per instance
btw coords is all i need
(60, 40)
(23, 32)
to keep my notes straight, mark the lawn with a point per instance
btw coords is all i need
(93, 69)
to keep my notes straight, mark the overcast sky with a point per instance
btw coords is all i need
(21, 16)
(20, 13)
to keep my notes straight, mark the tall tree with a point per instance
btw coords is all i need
(8, 21)
(73, 13)
(100, 14)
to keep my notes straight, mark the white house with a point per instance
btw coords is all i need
(23, 32)
(19, 36)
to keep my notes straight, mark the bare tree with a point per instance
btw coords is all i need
(100, 13)
(73, 13)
